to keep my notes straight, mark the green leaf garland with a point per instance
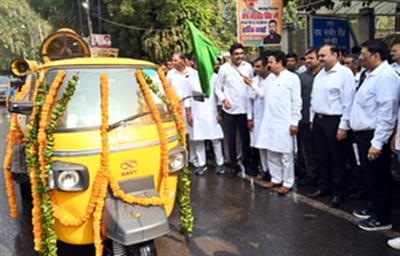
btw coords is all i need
(183, 194)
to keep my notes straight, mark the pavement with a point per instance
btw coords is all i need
(232, 217)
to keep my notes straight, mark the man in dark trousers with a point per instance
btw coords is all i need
(373, 118)
(305, 136)
(331, 98)
(231, 91)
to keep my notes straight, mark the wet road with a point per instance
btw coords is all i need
(233, 217)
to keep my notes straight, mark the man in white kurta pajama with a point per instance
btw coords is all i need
(255, 106)
(178, 79)
(202, 117)
(282, 106)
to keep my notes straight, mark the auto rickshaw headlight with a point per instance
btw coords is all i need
(68, 177)
(177, 159)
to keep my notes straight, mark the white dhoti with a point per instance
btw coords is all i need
(201, 152)
(281, 168)
(205, 125)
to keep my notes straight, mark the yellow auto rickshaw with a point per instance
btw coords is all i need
(98, 145)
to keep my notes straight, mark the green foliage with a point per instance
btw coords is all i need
(62, 13)
(165, 31)
(141, 28)
(183, 193)
(21, 30)
(290, 15)
(47, 220)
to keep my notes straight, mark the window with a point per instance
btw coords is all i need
(125, 97)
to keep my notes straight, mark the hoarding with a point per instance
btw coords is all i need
(101, 40)
(259, 22)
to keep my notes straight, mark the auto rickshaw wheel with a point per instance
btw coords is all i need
(25, 191)
(143, 249)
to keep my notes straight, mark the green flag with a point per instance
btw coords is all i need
(206, 55)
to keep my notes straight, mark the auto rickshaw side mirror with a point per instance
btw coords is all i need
(21, 107)
(198, 96)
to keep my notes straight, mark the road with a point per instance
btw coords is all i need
(233, 217)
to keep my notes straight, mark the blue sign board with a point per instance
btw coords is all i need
(329, 30)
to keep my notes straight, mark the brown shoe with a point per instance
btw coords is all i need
(283, 190)
(270, 185)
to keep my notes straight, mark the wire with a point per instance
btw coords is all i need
(127, 26)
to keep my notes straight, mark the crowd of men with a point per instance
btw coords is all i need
(337, 114)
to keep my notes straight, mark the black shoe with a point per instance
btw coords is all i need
(336, 201)
(318, 193)
(362, 213)
(220, 169)
(200, 170)
(372, 224)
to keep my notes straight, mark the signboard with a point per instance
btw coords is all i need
(101, 40)
(329, 30)
(259, 22)
(104, 52)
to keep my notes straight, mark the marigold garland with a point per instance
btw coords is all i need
(66, 218)
(98, 242)
(116, 190)
(161, 132)
(13, 134)
(39, 151)
(7, 167)
(44, 120)
(41, 212)
(31, 160)
(185, 209)
(175, 106)
(49, 237)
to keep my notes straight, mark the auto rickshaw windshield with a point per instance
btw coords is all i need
(125, 98)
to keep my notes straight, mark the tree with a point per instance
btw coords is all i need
(62, 13)
(157, 28)
(146, 29)
(21, 30)
(290, 15)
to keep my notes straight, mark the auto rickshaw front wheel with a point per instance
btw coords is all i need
(25, 191)
(142, 249)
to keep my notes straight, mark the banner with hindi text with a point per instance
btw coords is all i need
(259, 22)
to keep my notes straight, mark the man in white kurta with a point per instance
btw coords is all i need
(279, 125)
(178, 79)
(202, 117)
(255, 106)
